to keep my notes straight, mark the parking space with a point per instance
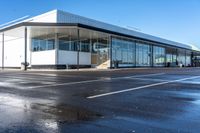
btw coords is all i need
(131, 100)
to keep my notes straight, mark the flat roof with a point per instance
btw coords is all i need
(68, 19)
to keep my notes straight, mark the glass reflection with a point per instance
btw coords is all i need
(159, 56)
(143, 54)
(123, 52)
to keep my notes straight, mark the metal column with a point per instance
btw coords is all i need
(111, 60)
(152, 55)
(25, 49)
(56, 50)
(78, 49)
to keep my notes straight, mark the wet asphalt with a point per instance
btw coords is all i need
(154, 101)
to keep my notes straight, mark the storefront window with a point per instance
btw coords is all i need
(159, 56)
(123, 52)
(181, 58)
(143, 54)
(42, 44)
(97, 44)
(188, 58)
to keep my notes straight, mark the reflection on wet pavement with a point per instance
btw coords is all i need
(44, 114)
(170, 108)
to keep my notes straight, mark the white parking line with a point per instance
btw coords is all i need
(90, 81)
(31, 77)
(146, 75)
(141, 87)
(150, 79)
(41, 74)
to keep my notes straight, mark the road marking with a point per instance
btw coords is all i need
(3, 78)
(141, 87)
(11, 85)
(152, 79)
(41, 74)
(90, 81)
(138, 76)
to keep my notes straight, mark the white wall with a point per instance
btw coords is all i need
(43, 58)
(85, 58)
(70, 58)
(13, 51)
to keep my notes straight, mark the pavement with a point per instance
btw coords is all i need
(158, 100)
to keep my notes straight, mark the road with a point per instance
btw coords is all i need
(157, 100)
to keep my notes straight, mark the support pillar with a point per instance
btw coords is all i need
(56, 50)
(110, 43)
(25, 49)
(78, 49)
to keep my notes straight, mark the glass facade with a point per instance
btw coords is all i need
(43, 43)
(143, 54)
(75, 39)
(123, 52)
(171, 57)
(68, 40)
(106, 49)
(188, 58)
(159, 56)
(181, 57)
(97, 44)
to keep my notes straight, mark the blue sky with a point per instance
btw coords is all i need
(177, 20)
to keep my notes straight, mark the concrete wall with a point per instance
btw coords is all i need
(70, 58)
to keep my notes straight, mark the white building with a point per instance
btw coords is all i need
(63, 40)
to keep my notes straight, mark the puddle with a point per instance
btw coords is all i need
(48, 109)
(66, 113)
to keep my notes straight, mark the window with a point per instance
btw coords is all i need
(143, 54)
(188, 58)
(85, 45)
(181, 58)
(50, 44)
(159, 56)
(35, 45)
(42, 44)
(123, 52)
(64, 43)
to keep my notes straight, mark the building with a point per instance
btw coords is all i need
(62, 40)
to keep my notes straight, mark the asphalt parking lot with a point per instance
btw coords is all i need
(121, 101)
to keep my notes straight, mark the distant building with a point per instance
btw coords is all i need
(62, 40)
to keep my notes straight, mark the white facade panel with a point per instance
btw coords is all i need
(13, 51)
(43, 58)
(67, 57)
(85, 58)
(70, 58)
